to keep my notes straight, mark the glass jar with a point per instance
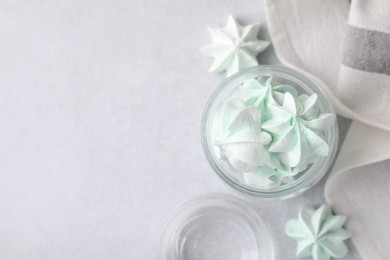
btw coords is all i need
(292, 185)
(215, 226)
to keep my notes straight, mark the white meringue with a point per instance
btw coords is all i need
(244, 145)
(234, 47)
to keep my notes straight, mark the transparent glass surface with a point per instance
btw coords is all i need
(300, 182)
(215, 227)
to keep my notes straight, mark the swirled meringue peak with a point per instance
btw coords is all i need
(269, 132)
(234, 47)
(318, 233)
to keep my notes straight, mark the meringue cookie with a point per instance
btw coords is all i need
(270, 133)
(244, 145)
(318, 233)
(291, 124)
(234, 47)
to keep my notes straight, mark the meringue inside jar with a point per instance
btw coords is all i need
(269, 131)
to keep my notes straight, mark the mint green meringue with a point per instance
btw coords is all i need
(318, 233)
(269, 132)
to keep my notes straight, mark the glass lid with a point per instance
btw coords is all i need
(215, 227)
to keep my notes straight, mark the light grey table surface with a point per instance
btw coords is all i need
(99, 125)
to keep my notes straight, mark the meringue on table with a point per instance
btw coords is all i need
(234, 47)
(318, 233)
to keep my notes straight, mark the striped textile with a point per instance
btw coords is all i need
(365, 66)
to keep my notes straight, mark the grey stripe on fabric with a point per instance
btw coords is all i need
(367, 50)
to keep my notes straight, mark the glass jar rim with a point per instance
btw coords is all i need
(312, 175)
(192, 208)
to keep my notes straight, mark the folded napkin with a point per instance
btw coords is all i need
(345, 48)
